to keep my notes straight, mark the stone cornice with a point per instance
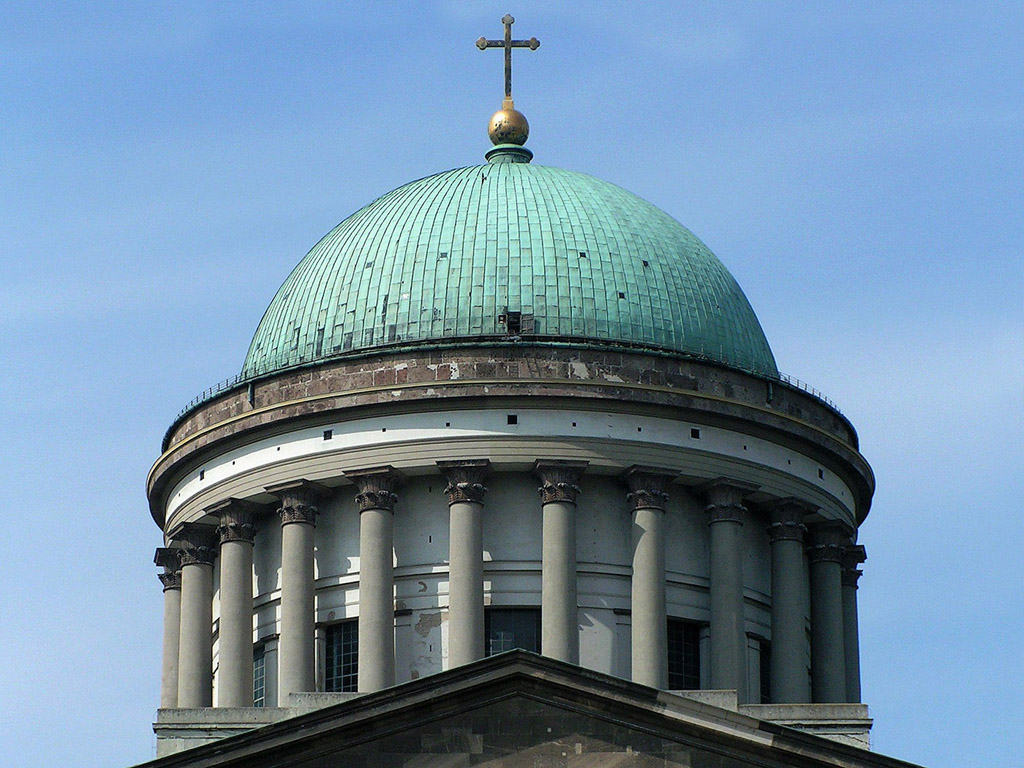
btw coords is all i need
(648, 487)
(376, 487)
(465, 480)
(559, 480)
(688, 388)
(853, 555)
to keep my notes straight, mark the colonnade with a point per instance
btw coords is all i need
(830, 589)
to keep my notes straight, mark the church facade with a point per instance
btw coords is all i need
(502, 411)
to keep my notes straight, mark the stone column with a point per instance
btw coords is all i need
(828, 656)
(195, 650)
(853, 556)
(167, 559)
(788, 667)
(647, 499)
(376, 499)
(728, 640)
(465, 559)
(237, 533)
(560, 631)
(296, 646)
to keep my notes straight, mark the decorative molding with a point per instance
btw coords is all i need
(298, 500)
(725, 499)
(647, 487)
(725, 513)
(465, 480)
(376, 487)
(559, 480)
(197, 545)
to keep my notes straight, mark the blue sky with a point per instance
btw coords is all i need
(858, 167)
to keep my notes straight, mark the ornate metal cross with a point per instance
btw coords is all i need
(508, 44)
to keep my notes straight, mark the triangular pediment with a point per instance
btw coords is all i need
(519, 709)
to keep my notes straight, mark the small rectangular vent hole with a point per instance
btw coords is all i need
(821, 473)
(513, 418)
(695, 433)
(328, 434)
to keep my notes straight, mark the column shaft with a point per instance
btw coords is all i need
(296, 645)
(852, 557)
(234, 686)
(465, 560)
(172, 637)
(195, 651)
(790, 683)
(728, 649)
(560, 631)
(828, 655)
(171, 580)
(465, 583)
(649, 636)
(376, 600)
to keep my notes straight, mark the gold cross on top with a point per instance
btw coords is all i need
(508, 44)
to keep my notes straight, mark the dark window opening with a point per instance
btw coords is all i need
(514, 323)
(821, 473)
(683, 655)
(508, 628)
(259, 677)
(765, 653)
(513, 418)
(202, 474)
(622, 295)
(342, 657)
(328, 434)
(695, 433)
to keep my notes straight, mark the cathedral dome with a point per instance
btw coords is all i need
(509, 253)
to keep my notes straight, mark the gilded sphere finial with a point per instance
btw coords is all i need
(508, 126)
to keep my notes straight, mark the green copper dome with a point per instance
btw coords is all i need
(453, 258)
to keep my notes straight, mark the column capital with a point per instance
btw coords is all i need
(376, 486)
(299, 499)
(853, 555)
(827, 541)
(237, 519)
(197, 544)
(724, 498)
(465, 479)
(648, 486)
(786, 518)
(170, 560)
(559, 479)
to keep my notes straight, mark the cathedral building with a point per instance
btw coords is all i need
(510, 477)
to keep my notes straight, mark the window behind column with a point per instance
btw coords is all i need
(509, 628)
(683, 655)
(259, 677)
(342, 656)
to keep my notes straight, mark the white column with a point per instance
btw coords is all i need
(560, 631)
(728, 625)
(647, 499)
(853, 556)
(297, 642)
(171, 579)
(237, 532)
(195, 650)
(788, 669)
(376, 499)
(828, 655)
(465, 492)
